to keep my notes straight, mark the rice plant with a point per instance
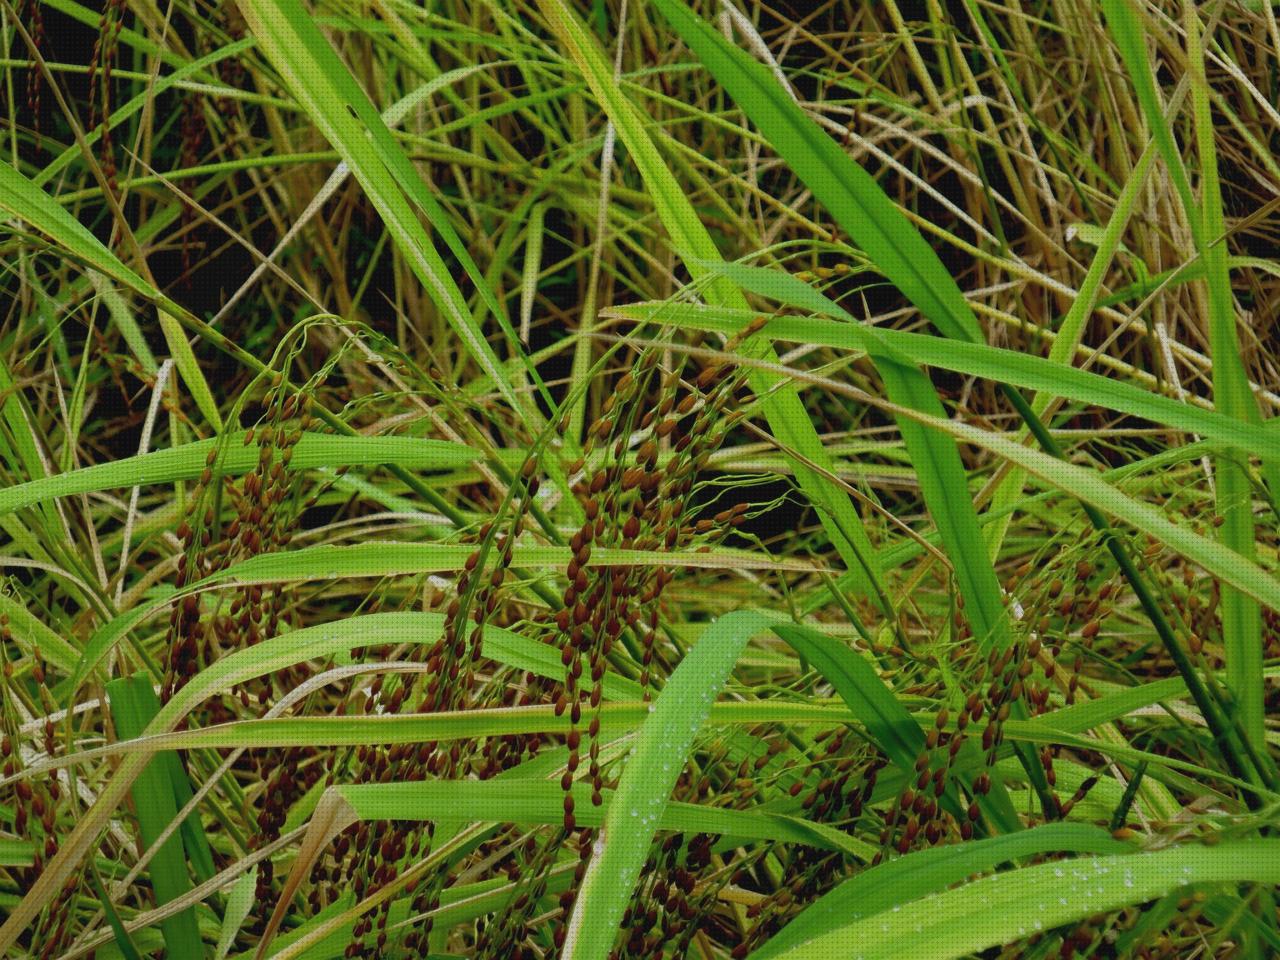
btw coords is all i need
(566, 480)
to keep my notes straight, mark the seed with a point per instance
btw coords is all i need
(707, 377)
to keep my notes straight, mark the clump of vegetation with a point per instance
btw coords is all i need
(603, 481)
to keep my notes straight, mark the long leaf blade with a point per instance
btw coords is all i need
(638, 807)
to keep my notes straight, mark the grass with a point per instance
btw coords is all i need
(611, 480)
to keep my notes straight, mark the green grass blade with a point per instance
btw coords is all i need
(638, 807)
(1126, 31)
(23, 200)
(887, 721)
(24, 626)
(133, 705)
(1241, 616)
(340, 108)
(186, 462)
(618, 714)
(532, 267)
(189, 368)
(787, 417)
(393, 558)
(504, 646)
(1018, 903)
(124, 320)
(1070, 332)
(847, 191)
(897, 250)
(239, 903)
(526, 802)
(1018, 369)
(919, 874)
(1085, 485)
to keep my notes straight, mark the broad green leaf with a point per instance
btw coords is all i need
(972, 359)
(133, 705)
(903, 879)
(188, 461)
(1019, 903)
(638, 807)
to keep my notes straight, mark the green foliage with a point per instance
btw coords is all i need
(553, 479)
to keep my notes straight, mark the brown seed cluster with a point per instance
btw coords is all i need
(194, 130)
(265, 508)
(670, 905)
(369, 856)
(35, 800)
(834, 786)
(632, 501)
(930, 807)
(31, 13)
(103, 59)
(1070, 600)
(528, 866)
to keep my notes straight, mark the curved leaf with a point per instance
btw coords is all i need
(638, 807)
(1020, 903)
